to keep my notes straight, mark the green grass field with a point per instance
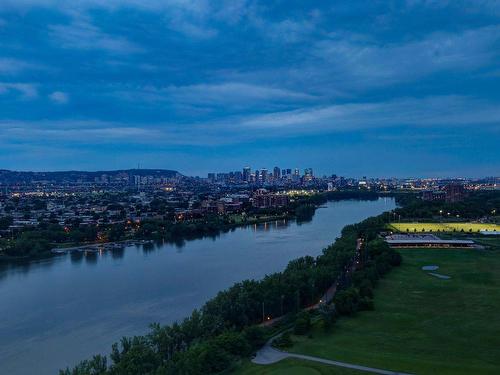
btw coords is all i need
(443, 227)
(492, 243)
(421, 324)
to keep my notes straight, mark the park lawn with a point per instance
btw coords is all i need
(443, 227)
(422, 324)
(292, 366)
(492, 242)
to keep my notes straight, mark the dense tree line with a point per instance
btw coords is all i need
(171, 230)
(35, 242)
(359, 296)
(213, 338)
(475, 206)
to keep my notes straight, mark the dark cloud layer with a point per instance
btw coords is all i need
(347, 87)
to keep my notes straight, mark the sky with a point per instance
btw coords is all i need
(356, 88)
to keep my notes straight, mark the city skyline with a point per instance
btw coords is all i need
(247, 173)
(409, 89)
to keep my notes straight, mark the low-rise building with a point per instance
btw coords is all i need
(270, 200)
(425, 240)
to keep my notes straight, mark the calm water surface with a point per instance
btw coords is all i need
(56, 312)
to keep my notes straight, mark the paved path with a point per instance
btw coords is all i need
(268, 355)
(330, 293)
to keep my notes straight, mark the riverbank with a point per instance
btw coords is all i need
(94, 246)
(92, 300)
(302, 209)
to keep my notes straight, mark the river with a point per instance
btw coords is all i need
(56, 312)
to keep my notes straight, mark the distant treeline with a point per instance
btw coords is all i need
(21, 177)
(224, 330)
(475, 206)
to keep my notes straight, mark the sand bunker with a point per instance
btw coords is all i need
(430, 268)
(439, 276)
(434, 268)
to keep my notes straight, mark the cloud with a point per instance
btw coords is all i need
(358, 61)
(226, 94)
(430, 111)
(73, 131)
(82, 34)
(225, 8)
(13, 66)
(192, 18)
(288, 30)
(59, 97)
(411, 113)
(471, 6)
(192, 29)
(27, 90)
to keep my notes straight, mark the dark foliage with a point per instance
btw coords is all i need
(302, 323)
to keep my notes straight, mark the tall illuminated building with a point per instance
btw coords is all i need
(276, 173)
(246, 174)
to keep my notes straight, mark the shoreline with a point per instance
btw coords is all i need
(324, 197)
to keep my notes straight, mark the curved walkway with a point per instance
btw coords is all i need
(268, 355)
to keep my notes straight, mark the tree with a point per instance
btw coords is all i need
(116, 232)
(234, 343)
(347, 301)
(95, 366)
(395, 258)
(366, 303)
(201, 359)
(255, 336)
(284, 341)
(28, 245)
(365, 288)
(376, 247)
(304, 212)
(5, 222)
(135, 356)
(327, 313)
(302, 323)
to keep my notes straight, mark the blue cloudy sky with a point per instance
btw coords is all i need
(376, 88)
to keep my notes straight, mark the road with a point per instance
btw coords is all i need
(268, 355)
(330, 293)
